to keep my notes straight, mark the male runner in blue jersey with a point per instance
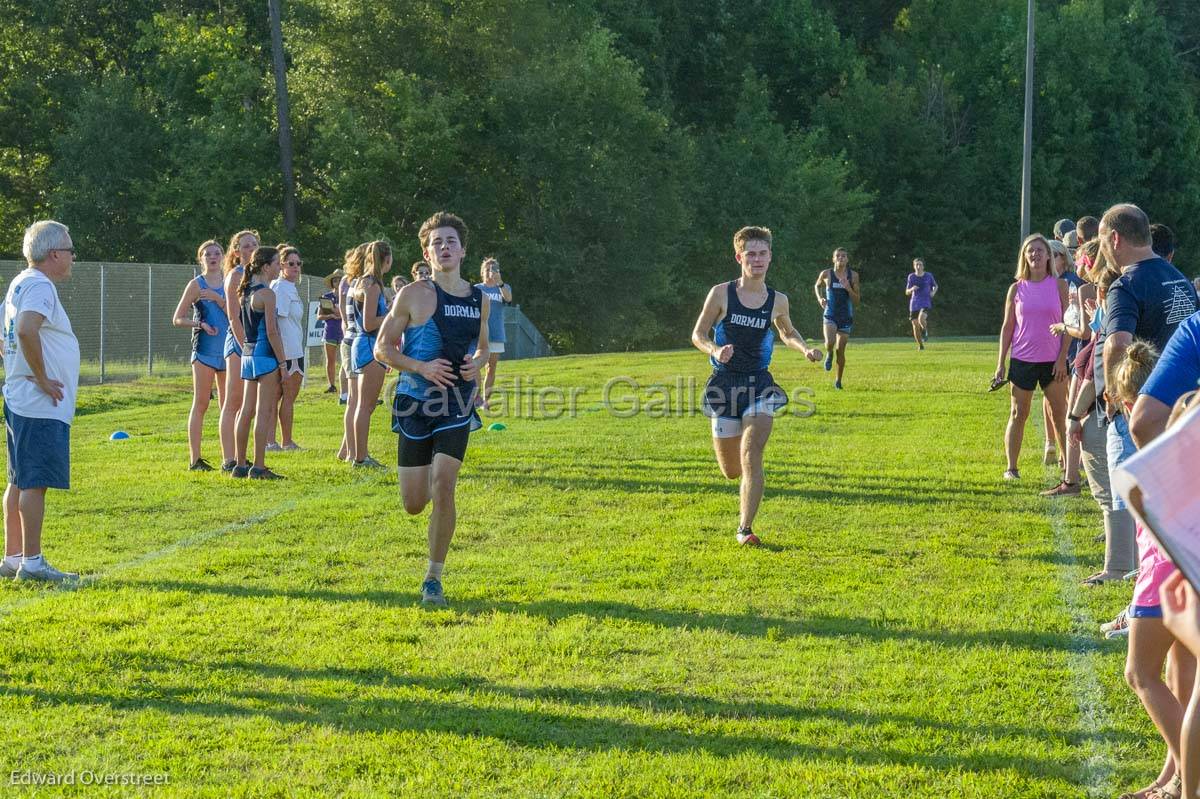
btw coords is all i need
(741, 396)
(444, 325)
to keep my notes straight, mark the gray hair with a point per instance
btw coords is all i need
(42, 237)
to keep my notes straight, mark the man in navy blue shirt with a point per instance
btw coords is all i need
(1148, 301)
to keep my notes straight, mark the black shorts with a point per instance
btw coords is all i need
(442, 423)
(1028, 376)
(732, 395)
(918, 312)
(420, 452)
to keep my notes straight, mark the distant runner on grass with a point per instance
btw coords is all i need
(920, 288)
(741, 396)
(837, 292)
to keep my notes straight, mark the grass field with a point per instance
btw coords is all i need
(913, 629)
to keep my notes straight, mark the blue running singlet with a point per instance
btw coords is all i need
(743, 384)
(421, 409)
(748, 330)
(260, 358)
(838, 307)
(207, 348)
(362, 347)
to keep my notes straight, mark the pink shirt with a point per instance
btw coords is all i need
(1153, 570)
(1037, 306)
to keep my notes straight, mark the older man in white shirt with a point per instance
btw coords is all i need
(41, 362)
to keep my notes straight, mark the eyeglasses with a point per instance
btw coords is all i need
(63, 249)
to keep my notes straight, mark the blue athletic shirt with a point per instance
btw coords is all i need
(1149, 300)
(451, 333)
(356, 310)
(1178, 369)
(231, 345)
(254, 323)
(748, 330)
(213, 314)
(496, 315)
(837, 299)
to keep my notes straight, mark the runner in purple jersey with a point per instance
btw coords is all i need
(920, 289)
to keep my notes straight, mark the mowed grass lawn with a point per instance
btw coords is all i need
(913, 629)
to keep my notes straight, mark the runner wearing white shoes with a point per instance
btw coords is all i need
(741, 397)
(443, 326)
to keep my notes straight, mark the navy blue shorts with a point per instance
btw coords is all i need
(732, 395)
(842, 325)
(39, 452)
(438, 424)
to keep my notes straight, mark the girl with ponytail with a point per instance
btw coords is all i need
(369, 307)
(262, 355)
(241, 248)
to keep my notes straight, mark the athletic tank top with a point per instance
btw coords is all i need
(748, 330)
(347, 307)
(212, 314)
(1036, 306)
(451, 333)
(837, 298)
(254, 323)
(357, 315)
(495, 313)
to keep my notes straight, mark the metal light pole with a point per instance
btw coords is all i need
(1027, 155)
(285, 125)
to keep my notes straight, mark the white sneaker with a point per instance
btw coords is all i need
(8, 572)
(44, 573)
(273, 447)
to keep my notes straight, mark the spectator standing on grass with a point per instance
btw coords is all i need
(1148, 301)
(289, 309)
(261, 358)
(1036, 300)
(352, 268)
(241, 248)
(1073, 329)
(202, 309)
(41, 362)
(332, 335)
(369, 306)
(499, 293)
(1087, 426)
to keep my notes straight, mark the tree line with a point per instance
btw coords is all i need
(605, 150)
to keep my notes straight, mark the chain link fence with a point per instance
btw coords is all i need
(122, 313)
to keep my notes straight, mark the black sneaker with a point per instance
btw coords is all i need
(200, 465)
(263, 474)
(240, 471)
(227, 466)
(331, 390)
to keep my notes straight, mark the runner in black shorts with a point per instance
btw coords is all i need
(443, 325)
(741, 396)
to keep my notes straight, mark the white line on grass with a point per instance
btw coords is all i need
(175, 546)
(1097, 769)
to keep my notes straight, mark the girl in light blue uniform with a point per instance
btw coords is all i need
(202, 309)
(498, 292)
(260, 363)
(368, 308)
(241, 249)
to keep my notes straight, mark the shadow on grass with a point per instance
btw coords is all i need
(818, 626)
(467, 706)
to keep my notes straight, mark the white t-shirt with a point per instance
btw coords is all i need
(33, 291)
(290, 310)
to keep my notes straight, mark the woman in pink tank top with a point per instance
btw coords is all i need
(1035, 301)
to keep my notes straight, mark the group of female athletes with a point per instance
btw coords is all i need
(248, 324)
